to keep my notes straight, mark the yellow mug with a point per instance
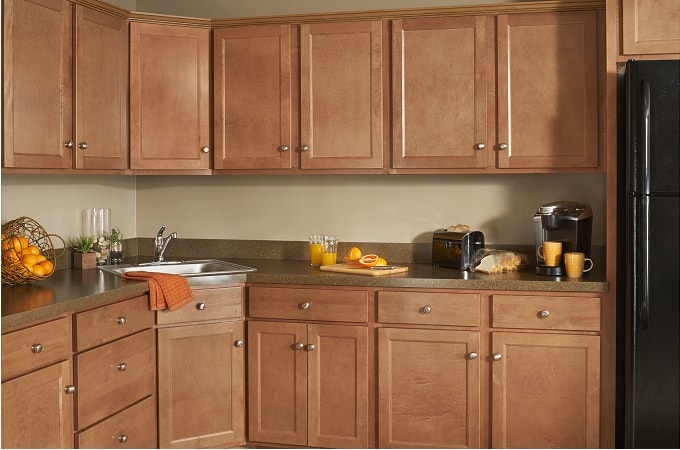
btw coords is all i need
(551, 252)
(575, 263)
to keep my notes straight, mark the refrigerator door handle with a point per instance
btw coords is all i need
(643, 312)
(646, 135)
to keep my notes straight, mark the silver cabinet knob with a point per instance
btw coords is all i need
(239, 343)
(543, 314)
(503, 146)
(121, 320)
(68, 144)
(473, 355)
(201, 306)
(305, 305)
(299, 346)
(283, 148)
(122, 367)
(304, 148)
(497, 357)
(427, 309)
(36, 348)
(480, 146)
(311, 347)
(123, 438)
(70, 389)
(82, 145)
(205, 149)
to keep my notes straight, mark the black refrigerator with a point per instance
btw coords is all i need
(650, 249)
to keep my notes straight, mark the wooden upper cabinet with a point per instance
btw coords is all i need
(439, 92)
(169, 97)
(37, 84)
(252, 98)
(342, 95)
(548, 90)
(650, 27)
(101, 95)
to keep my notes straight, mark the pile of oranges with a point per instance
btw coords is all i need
(356, 257)
(19, 254)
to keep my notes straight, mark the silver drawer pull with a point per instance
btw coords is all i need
(543, 314)
(311, 347)
(70, 389)
(239, 343)
(473, 355)
(305, 305)
(36, 348)
(427, 309)
(123, 438)
(201, 306)
(497, 357)
(122, 367)
(121, 320)
(299, 346)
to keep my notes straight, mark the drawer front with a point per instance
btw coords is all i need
(35, 346)
(208, 304)
(111, 322)
(134, 427)
(546, 313)
(308, 304)
(429, 308)
(115, 375)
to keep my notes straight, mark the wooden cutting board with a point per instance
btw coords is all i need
(346, 268)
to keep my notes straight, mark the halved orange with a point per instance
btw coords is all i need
(369, 260)
(354, 254)
(381, 262)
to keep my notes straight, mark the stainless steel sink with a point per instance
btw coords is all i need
(194, 268)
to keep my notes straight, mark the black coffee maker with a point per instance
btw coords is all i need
(568, 222)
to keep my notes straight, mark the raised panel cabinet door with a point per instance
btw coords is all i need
(37, 121)
(342, 95)
(277, 382)
(650, 27)
(439, 95)
(169, 97)
(429, 388)
(201, 385)
(101, 94)
(252, 98)
(338, 386)
(37, 412)
(545, 390)
(548, 90)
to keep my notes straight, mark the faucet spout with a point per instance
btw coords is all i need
(161, 244)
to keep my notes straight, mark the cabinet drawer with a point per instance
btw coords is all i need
(134, 427)
(35, 346)
(546, 313)
(208, 304)
(114, 376)
(429, 308)
(308, 304)
(111, 322)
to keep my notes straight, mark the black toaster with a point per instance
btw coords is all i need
(454, 249)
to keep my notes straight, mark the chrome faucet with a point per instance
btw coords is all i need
(162, 244)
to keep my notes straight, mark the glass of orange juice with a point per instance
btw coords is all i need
(315, 249)
(330, 250)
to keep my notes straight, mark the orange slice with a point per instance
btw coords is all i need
(369, 260)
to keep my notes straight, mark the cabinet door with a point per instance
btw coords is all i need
(101, 67)
(439, 95)
(429, 388)
(545, 390)
(37, 83)
(201, 385)
(277, 382)
(36, 410)
(252, 98)
(548, 90)
(650, 27)
(341, 95)
(338, 386)
(169, 97)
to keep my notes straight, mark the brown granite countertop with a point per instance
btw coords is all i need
(70, 290)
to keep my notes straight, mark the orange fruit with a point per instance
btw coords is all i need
(29, 260)
(23, 242)
(7, 244)
(38, 270)
(381, 262)
(369, 260)
(16, 243)
(31, 250)
(41, 258)
(354, 254)
(47, 266)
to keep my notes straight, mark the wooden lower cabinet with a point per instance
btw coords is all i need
(308, 384)
(131, 428)
(429, 387)
(545, 390)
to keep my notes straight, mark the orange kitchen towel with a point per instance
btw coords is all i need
(165, 290)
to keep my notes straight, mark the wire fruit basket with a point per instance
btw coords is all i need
(28, 253)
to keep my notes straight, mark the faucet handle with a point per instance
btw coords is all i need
(161, 231)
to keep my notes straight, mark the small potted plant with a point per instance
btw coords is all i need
(116, 239)
(83, 256)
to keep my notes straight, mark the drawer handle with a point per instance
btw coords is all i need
(239, 343)
(299, 346)
(311, 347)
(543, 314)
(121, 320)
(36, 348)
(122, 367)
(123, 438)
(473, 355)
(305, 305)
(497, 357)
(70, 389)
(201, 306)
(427, 309)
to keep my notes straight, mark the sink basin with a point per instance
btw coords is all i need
(195, 268)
